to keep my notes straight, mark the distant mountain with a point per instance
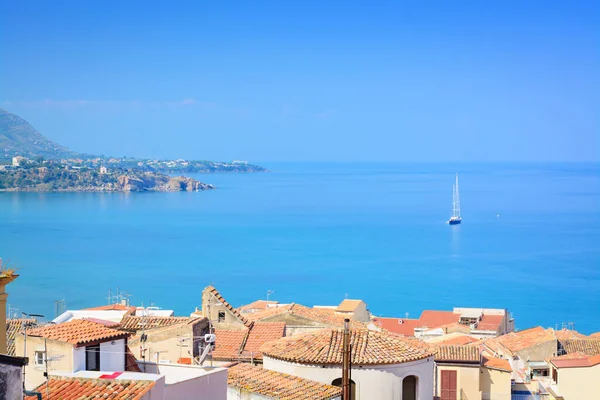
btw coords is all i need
(19, 138)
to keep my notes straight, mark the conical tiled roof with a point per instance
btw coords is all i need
(368, 348)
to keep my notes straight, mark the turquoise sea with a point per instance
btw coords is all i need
(314, 233)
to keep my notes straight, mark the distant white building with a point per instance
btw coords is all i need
(16, 161)
(103, 170)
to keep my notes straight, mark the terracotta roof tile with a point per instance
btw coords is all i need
(14, 327)
(566, 334)
(260, 333)
(87, 389)
(577, 360)
(212, 290)
(591, 347)
(459, 339)
(403, 326)
(433, 319)
(256, 305)
(348, 305)
(457, 353)
(326, 316)
(131, 323)
(229, 343)
(516, 341)
(246, 343)
(369, 348)
(490, 322)
(595, 335)
(278, 385)
(78, 332)
(497, 363)
(116, 307)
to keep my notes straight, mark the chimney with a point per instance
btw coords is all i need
(346, 393)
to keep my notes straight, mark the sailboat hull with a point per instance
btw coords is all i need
(454, 221)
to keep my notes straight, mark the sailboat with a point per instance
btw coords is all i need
(455, 218)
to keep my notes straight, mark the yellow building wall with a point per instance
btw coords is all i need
(467, 381)
(579, 383)
(494, 383)
(60, 358)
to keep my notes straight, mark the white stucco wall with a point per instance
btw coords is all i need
(382, 382)
(112, 356)
(78, 358)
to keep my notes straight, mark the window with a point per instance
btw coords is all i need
(221, 316)
(92, 358)
(338, 382)
(40, 357)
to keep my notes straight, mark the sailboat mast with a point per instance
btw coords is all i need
(457, 199)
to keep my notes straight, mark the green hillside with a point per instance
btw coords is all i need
(19, 138)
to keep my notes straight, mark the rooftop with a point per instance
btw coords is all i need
(78, 332)
(517, 341)
(402, 326)
(497, 363)
(14, 327)
(369, 348)
(434, 319)
(490, 322)
(457, 353)
(575, 360)
(67, 388)
(326, 316)
(256, 305)
(348, 305)
(132, 323)
(212, 290)
(591, 347)
(246, 343)
(113, 307)
(278, 385)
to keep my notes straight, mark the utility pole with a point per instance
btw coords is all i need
(346, 393)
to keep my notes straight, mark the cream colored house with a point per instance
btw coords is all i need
(176, 343)
(6, 277)
(73, 346)
(355, 310)
(462, 373)
(575, 376)
(220, 313)
(384, 366)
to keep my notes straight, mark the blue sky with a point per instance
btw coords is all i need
(308, 81)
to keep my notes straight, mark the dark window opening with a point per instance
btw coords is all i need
(221, 316)
(409, 388)
(92, 358)
(338, 382)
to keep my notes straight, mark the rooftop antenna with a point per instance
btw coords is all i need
(406, 315)
(109, 298)
(269, 293)
(345, 295)
(571, 326)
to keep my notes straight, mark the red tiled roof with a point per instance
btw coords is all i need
(278, 385)
(516, 341)
(348, 305)
(456, 353)
(228, 343)
(14, 327)
(433, 319)
(490, 322)
(595, 335)
(116, 307)
(246, 343)
(496, 363)
(260, 333)
(566, 334)
(78, 332)
(257, 305)
(104, 322)
(87, 389)
(460, 340)
(325, 316)
(578, 360)
(402, 326)
(591, 347)
(212, 290)
(133, 323)
(325, 347)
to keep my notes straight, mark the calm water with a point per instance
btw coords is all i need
(316, 232)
